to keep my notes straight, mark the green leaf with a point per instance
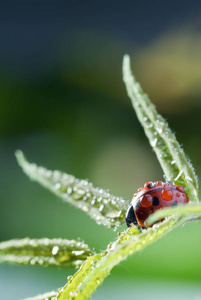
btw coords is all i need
(171, 156)
(192, 211)
(45, 252)
(96, 268)
(105, 208)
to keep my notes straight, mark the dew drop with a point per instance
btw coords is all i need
(57, 186)
(88, 195)
(146, 200)
(93, 201)
(150, 125)
(115, 227)
(154, 142)
(113, 202)
(167, 194)
(69, 191)
(101, 207)
(105, 201)
(33, 243)
(160, 130)
(93, 264)
(159, 183)
(85, 208)
(84, 182)
(81, 192)
(32, 262)
(55, 249)
(78, 252)
(180, 188)
(69, 278)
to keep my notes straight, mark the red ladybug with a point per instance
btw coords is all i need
(154, 195)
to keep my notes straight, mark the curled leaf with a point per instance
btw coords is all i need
(45, 252)
(192, 210)
(171, 156)
(105, 208)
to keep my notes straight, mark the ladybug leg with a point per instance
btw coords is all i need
(130, 217)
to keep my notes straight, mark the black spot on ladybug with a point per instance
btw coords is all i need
(174, 204)
(150, 185)
(155, 201)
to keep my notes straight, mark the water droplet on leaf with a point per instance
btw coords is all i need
(55, 249)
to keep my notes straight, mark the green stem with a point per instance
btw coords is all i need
(93, 272)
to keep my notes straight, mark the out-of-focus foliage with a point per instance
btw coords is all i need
(170, 69)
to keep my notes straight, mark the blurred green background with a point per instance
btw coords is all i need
(63, 102)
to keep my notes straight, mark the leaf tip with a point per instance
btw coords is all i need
(126, 58)
(126, 63)
(21, 159)
(20, 156)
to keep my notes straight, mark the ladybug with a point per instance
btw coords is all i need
(154, 195)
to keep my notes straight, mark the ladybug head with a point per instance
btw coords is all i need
(130, 217)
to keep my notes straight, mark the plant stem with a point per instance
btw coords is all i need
(96, 268)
